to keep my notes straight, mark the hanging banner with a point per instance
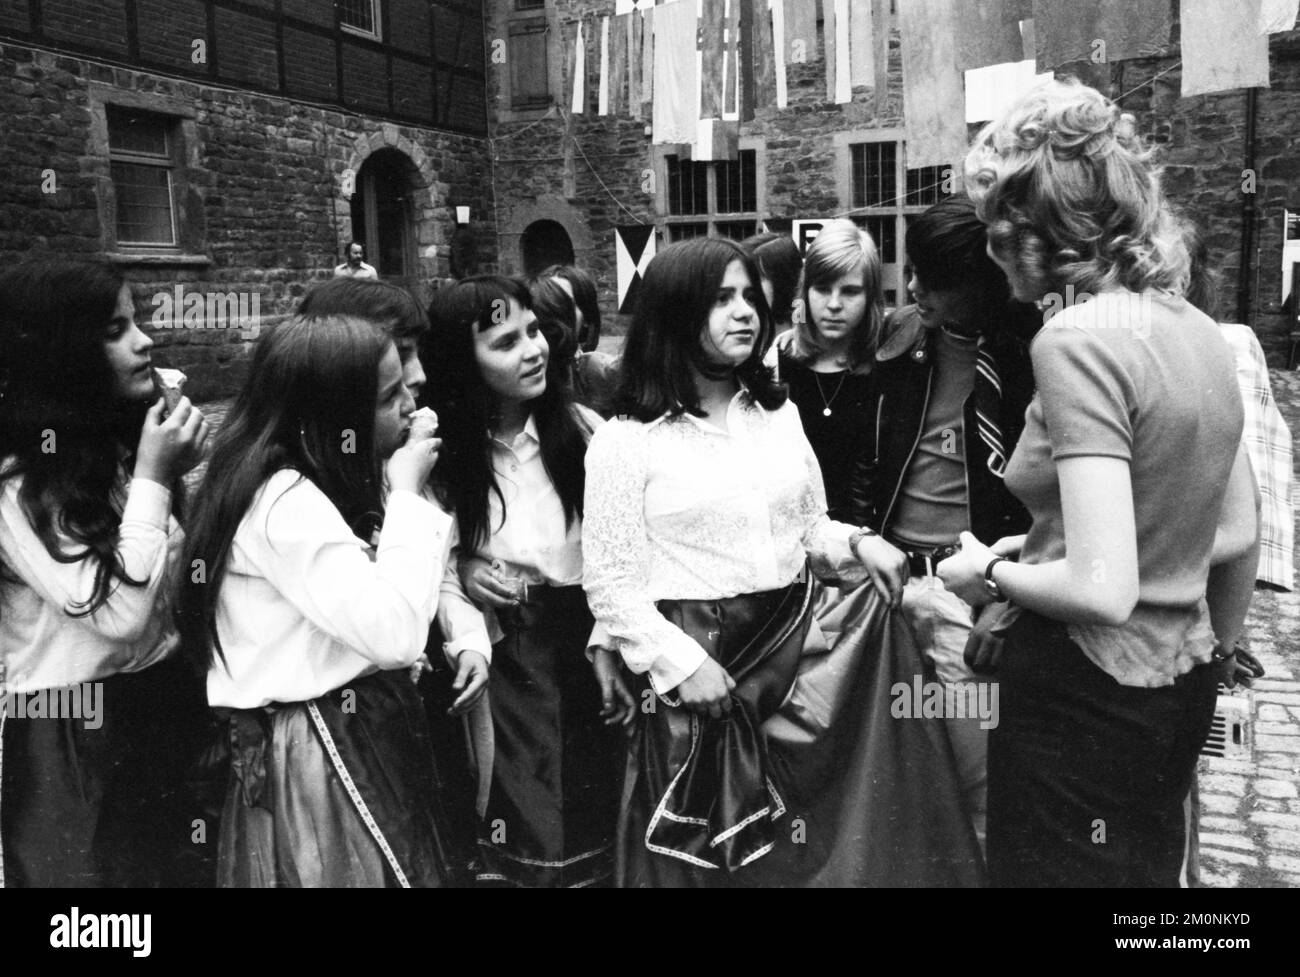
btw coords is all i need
(713, 65)
(1099, 33)
(862, 54)
(800, 31)
(579, 103)
(988, 32)
(1276, 16)
(602, 102)
(634, 247)
(1221, 54)
(677, 73)
(992, 90)
(933, 100)
(780, 51)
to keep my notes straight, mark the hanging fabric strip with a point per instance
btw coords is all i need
(987, 32)
(602, 101)
(843, 63)
(800, 31)
(779, 50)
(862, 54)
(677, 80)
(1220, 53)
(1099, 33)
(578, 105)
(1276, 16)
(712, 59)
(882, 23)
(933, 100)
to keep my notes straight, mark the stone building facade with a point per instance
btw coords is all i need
(224, 152)
(591, 173)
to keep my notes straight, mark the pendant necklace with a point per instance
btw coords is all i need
(826, 404)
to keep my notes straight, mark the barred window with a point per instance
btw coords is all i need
(725, 193)
(141, 162)
(886, 197)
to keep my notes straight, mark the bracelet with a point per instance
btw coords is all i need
(858, 535)
(990, 583)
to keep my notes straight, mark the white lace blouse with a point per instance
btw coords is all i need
(680, 509)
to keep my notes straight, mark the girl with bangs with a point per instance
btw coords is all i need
(89, 546)
(1140, 549)
(826, 359)
(705, 509)
(310, 598)
(514, 477)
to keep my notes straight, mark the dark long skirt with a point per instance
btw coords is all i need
(1087, 777)
(556, 767)
(809, 781)
(107, 806)
(336, 792)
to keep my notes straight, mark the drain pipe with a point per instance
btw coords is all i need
(1247, 214)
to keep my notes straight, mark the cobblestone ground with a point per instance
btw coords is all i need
(1250, 808)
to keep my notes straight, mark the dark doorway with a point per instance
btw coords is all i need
(383, 214)
(545, 243)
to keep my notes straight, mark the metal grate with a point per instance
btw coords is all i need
(1232, 734)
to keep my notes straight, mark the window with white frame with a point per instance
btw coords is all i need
(717, 198)
(885, 197)
(360, 17)
(141, 149)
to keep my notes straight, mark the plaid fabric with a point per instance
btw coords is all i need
(1268, 442)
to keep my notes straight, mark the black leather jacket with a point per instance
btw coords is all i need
(904, 372)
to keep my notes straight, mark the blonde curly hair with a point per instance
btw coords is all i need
(1071, 196)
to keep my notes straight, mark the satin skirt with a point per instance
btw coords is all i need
(809, 780)
(338, 792)
(556, 767)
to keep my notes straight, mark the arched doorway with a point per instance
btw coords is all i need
(383, 215)
(544, 243)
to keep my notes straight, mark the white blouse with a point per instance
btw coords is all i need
(41, 646)
(680, 509)
(303, 607)
(530, 538)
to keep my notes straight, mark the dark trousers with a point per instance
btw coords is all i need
(1086, 776)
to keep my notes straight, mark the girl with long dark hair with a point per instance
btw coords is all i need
(704, 510)
(89, 546)
(312, 594)
(514, 474)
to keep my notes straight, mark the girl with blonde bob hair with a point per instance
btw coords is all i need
(841, 251)
(1140, 549)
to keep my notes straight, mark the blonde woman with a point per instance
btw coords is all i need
(825, 359)
(1131, 468)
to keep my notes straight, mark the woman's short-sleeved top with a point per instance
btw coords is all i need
(1146, 378)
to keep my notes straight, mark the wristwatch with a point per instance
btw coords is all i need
(994, 590)
(858, 535)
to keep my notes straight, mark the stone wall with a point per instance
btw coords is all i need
(261, 192)
(548, 165)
